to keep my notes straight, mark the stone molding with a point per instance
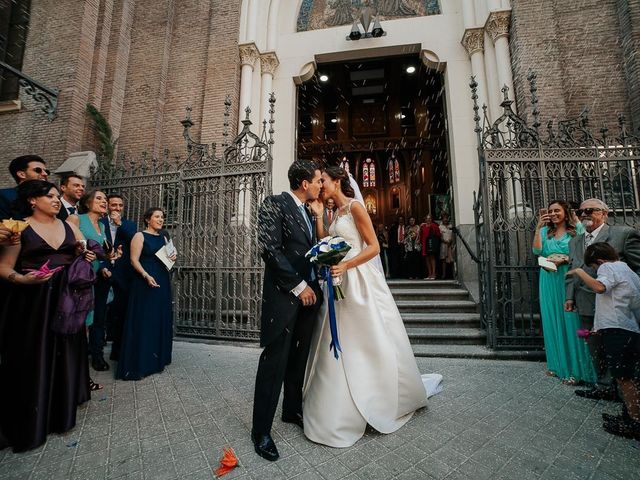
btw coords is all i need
(249, 54)
(497, 24)
(473, 40)
(269, 62)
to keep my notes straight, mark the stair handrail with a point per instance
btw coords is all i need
(466, 245)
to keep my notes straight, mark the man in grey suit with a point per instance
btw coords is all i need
(593, 214)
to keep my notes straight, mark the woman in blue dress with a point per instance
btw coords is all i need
(567, 354)
(148, 327)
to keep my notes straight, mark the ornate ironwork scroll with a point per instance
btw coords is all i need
(46, 96)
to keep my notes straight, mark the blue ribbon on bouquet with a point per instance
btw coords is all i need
(333, 325)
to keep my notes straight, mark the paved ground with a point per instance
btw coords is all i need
(495, 419)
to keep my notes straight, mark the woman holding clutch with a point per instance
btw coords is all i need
(567, 354)
(148, 327)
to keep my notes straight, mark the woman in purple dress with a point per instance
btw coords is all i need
(44, 375)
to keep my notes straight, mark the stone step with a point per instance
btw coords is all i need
(474, 351)
(418, 284)
(466, 306)
(450, 336)
(429, 293)
(441, 319)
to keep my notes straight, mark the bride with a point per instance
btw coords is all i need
(375, 380)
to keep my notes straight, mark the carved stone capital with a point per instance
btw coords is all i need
(497, 24)
(249, 54)
(473, 40)
(269, 62)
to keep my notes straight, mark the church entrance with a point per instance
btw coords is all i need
(383, 120)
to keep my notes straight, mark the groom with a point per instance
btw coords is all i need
(290, 301)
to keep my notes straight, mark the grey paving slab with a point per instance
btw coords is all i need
(494, 420)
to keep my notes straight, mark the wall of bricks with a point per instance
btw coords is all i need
(141, 62)
(629, 18)
(575, 49)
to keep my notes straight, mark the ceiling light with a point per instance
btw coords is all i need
(411, 69)
(403, 115)
(324, 78)
(334, 120)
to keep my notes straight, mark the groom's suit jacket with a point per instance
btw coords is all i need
(625, 240)
(284, 238)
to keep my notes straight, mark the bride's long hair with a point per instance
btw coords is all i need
(337, 173)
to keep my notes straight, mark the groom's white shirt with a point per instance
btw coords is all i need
(298, 289)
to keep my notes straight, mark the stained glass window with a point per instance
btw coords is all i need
(396, 170)
(345, 164)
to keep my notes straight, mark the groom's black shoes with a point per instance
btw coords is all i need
(265, 447)
(296, 419)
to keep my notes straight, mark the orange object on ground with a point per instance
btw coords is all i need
(228, 462)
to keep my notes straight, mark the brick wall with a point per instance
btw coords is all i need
(629, 18)
(574, 47)
(58, 54)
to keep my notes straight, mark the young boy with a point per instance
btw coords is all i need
(617, 319)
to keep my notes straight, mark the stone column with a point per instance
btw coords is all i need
(268, 64)
(468, 13)
(248, 55)
(473, 42)
(497, 27)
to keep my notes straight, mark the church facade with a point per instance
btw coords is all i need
(141, 62)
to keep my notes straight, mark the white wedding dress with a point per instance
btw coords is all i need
(376, 380)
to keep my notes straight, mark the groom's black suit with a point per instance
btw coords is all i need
(286, 325)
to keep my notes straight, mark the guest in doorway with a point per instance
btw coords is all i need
(430, 238)
(412, 249)
(446, 246)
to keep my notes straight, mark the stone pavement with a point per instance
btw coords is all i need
(495, 419)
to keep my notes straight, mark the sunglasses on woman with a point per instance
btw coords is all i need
(587, 211)
(39, 170)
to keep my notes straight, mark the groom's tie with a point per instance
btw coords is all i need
(303, 211)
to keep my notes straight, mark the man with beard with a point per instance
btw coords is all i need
(625, 240)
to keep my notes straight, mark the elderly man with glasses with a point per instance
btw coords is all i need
(593, 214)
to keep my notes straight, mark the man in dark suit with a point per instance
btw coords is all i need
(328, 214)
(116, 275)
(593, 214)
(26, 167)
(396, 248)
(290, 301)
(72, 189)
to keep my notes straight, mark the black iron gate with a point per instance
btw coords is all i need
(521, 170)
(211, 201)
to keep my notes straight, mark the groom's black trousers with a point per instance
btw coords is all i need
(284, 361)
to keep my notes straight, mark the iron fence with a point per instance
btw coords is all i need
(211, 202)
(521, 170)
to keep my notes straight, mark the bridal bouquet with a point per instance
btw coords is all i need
(328, 252)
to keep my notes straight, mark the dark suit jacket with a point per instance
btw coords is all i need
(625, 240)
(284, 240)
(122, 270)
(393, 236)
(7, 197)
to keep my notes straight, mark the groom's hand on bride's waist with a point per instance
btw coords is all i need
(307, 296)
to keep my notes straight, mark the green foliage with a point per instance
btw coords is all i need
(107, 146)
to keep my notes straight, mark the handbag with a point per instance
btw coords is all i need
(76, 295)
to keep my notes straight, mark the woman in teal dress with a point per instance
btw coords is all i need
(567, 355)
(93, 206)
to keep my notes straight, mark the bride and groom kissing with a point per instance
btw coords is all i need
(375, 380)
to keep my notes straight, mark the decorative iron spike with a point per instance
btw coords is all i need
(533, 88)
(272, 111)
(225, 123)
(474, 96)
(622, 125)
(583, 119)
(603, 133)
